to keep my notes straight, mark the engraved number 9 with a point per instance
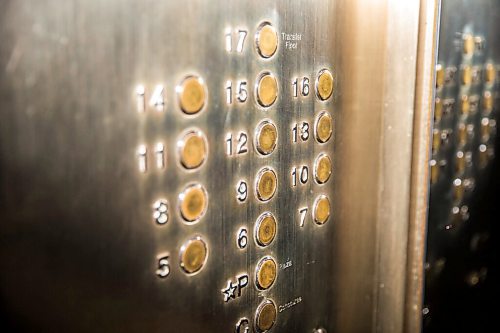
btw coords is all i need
(242, 191)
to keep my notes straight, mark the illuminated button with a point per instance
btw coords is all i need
(464, 105)
(191, 94)
(439, 75)
(193, 255)
(266, 40)
(434, 171)
(266, 184)
(266, 137)
(462, 134)
(436, 141)
(468, 44)
(438, 110)
(484, 155)
(324, 127)
(193, 202)
(267, 89)
(487, 101)
(458, 190)
(265, 229)
(324, 84)
(322, 168)
(265, 274)
(265, 316)
(192, 149)
(460, 162)
(490, 73)
(321, 210)
(485, 129)
(466, 75)
(455, 217)
(445, 137)
(493, 127)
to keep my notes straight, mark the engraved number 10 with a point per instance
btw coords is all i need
(302, 173)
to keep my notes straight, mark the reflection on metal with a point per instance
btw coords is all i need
(144, 148)
(461, 166)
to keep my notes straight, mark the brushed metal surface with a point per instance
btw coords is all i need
(78, 243)
(80, 214)
(422, 129)
(375, 146)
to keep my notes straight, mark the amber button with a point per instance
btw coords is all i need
(439, 75)
(324, 84)
(468, 44)
(267, 89)
(192, 149)
(266, 184)
(321, 211)
(266, 40)
(466, 75)
(265, 229)
(265, 316)
(265, 273)
(324, 127)
(191, 94)
(193, 255)
(266, 137)
(490, 73)
(193, 202)
(322, 168)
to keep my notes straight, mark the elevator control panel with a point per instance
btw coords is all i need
(239, 168)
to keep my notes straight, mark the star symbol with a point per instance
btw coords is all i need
(229, 291)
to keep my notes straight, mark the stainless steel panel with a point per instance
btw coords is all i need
(419, 195)
(78, 242)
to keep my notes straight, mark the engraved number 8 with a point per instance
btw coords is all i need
(163, 267)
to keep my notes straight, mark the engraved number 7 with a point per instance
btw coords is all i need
(303, 214)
